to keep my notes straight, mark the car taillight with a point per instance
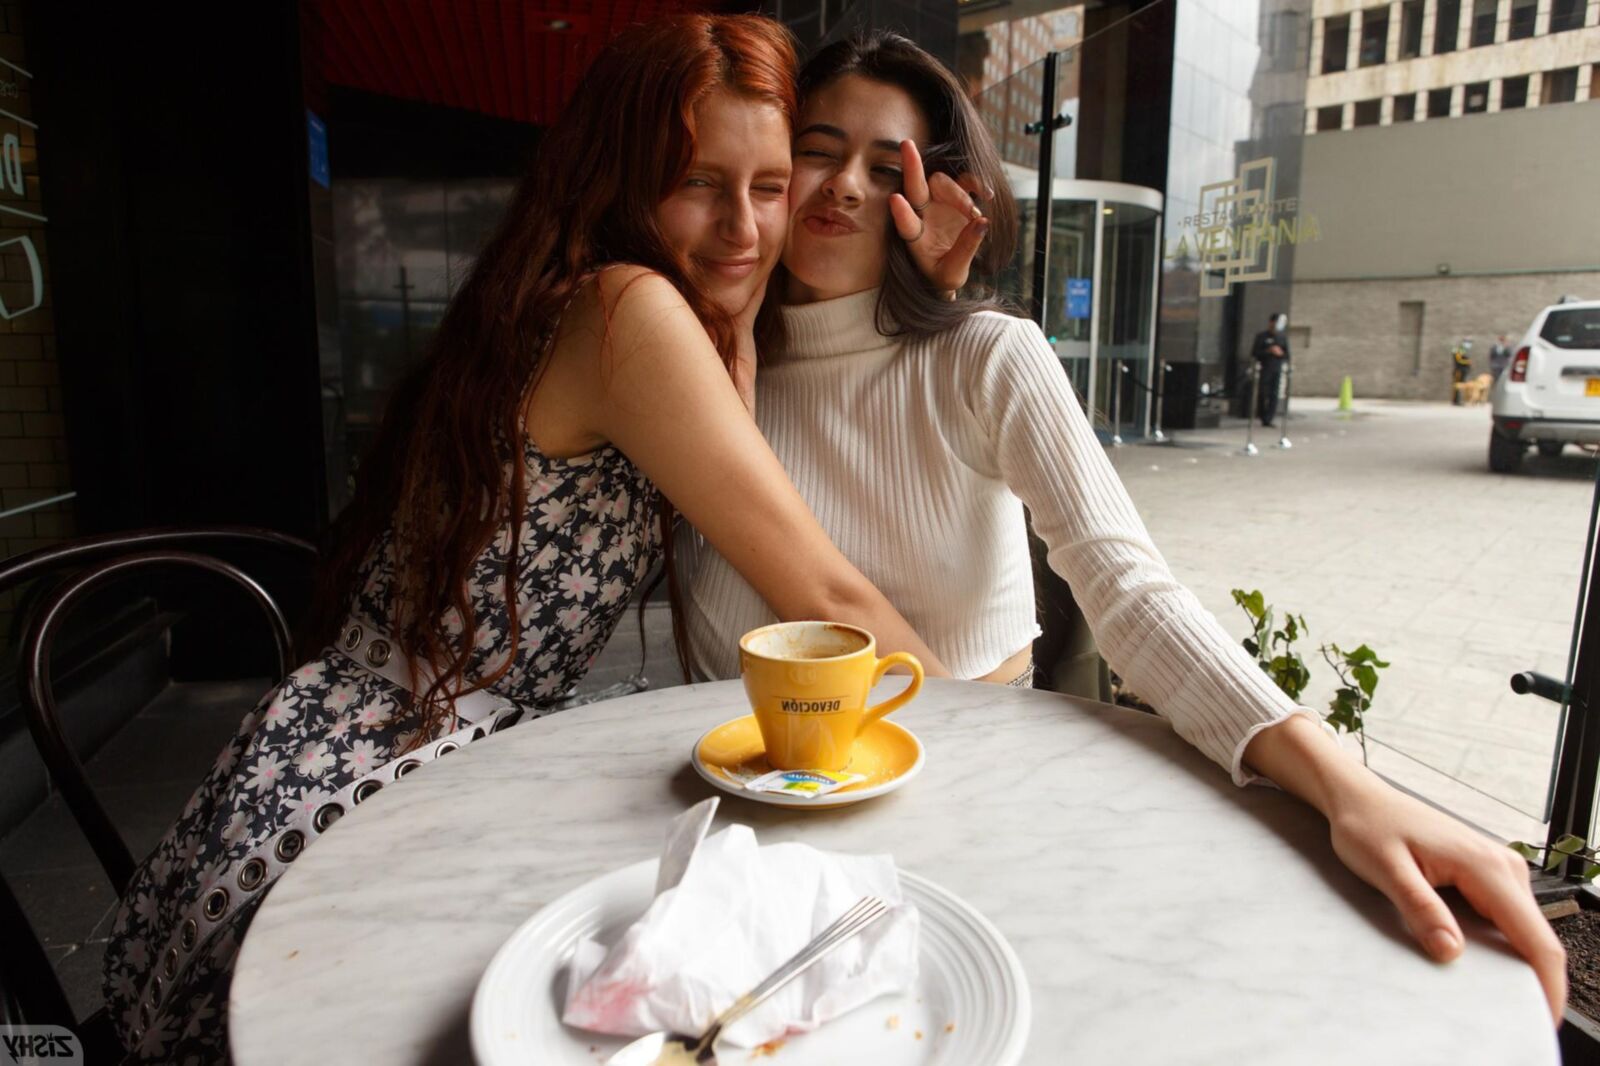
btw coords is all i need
(1519, 365)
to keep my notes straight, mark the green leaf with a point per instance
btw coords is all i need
(1590, 870)
(1553, 861)
(1570, 843)
(1366, 677)
(1251, 646)
(1253, 602)
(1291, 629)
(1361, 655)
(1527, 851)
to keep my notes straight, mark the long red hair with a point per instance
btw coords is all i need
(436, 473)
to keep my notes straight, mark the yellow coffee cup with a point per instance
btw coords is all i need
(808, 684)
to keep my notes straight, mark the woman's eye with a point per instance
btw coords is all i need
(893, 174)
(814, 153)
(696, 183)
(772, 190)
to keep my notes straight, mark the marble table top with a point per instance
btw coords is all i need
(1162, 914)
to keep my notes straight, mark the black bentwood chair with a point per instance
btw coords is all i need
(92, 563)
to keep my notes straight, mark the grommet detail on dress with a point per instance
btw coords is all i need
(378, 653)
(289, 845)
(405, 767)
(326, 815)
(479, 733)
(365, 789)
(505, 722)
(251, 874)
(352, 638)
(187, 934)
(169, 966)
(216, 903)
(155, 992)
(446, 748)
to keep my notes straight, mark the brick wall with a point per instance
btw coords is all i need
(33, 459)
(1357, 328)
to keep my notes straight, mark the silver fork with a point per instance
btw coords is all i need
(648, 1049)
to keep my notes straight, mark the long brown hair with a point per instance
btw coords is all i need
(436, 477)
(959, 143)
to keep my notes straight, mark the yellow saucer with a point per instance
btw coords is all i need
(732, 753)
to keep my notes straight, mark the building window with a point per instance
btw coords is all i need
(1594, 83)
(1483, 12)
(1523, 17)
(1439, 103)
(1514, 93)
(1335, 44)
(1476, 98)
(1374, 36)
(1560, 86)
(1330, 118)
(1405, 108)
(1411, 29)
(1446, 28)
(1368, 112)
(1566, 15)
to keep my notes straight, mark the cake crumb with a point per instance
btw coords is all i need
(767, 1050)
(950, 1027)
(893, 1022)
(919, 1034)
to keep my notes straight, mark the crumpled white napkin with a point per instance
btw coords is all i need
(737, 913)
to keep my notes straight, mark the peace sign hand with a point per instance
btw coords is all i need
(938, 220)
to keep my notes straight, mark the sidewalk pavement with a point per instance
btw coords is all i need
(1386, 527)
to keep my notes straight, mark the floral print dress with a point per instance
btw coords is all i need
(334, 725)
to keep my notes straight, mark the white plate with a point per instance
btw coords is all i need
(970, 1005)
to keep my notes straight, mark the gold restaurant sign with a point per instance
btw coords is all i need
(1236, 234)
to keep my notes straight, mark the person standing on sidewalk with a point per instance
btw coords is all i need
(1460, 368)
(1499, 356)
(1271, 353)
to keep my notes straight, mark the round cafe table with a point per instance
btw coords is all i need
(1163, 915)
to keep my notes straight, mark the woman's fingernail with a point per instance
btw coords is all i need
(1441, 942)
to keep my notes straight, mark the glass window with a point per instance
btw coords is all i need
(1523, 18)
(1330, 118)
(1374, 36)
(1439, 103)
(1566, 15)
(1405, 108)
(1411, 29)
(1368, 112)
(1560, 86)
(1594, 82)
(1514, 93)
(1335, 44)
(1446, 27)
(1476, 98)
(1575, 328)
(1483, 24)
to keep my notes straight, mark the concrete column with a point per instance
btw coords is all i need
(1494, 94)
(1458, 100)
(1318, 26)
(1541, 19)
(1353, 60)
(1535, 88)
(1586, 81)
(1464, 27)
(1392, 48)
(1502, 21)
(1386, 112)
(1430, 22)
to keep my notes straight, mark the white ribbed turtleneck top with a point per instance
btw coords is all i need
(913, 455)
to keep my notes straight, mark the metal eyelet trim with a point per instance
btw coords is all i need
(169, 966)
(479, 733)
(155, 992)
(505, 722)
(251, 874)
(326, 816)
(365, 789)
(445, 749)
(216, 903)
(352, 638)
(289, 846)
(378, 653)
(405, 767)
(186, 937)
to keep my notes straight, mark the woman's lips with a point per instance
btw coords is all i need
(827, 227)
(728, 269)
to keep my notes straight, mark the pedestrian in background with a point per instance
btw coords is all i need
(1499, 356)
(1271, 353)
(1460, 369)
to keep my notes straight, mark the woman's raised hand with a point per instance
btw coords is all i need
(939, 221)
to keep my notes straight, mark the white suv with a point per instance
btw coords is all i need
(1550, 393)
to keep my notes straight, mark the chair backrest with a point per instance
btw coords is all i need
(104, 560)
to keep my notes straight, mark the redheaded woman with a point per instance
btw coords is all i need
(597, 364)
